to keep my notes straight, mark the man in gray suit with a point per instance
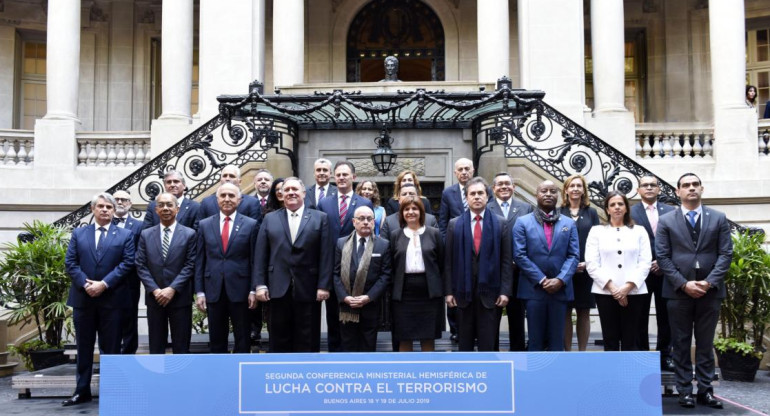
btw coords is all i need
(322, 170)
(391, 221)
(165, 263)
(504, 205)
(694, 251)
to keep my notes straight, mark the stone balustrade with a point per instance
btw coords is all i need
(763, 138)
(119, 149)
(669, 141)
(17, 147)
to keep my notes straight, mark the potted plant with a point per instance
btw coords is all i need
(745, 312)
(34, 286)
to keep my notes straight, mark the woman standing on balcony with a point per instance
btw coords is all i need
(575, 203)
(751, 98)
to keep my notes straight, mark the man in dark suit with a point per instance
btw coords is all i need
(392, 222)
(224, 260)
(294, 267)
(647, 213)
(505, 205)
(250, 207)
(546, 249)
(453, 204)
(339, 206)
(174, 183)
(478, 254)
(322, 170)
(98, 259)
(263, 180)
(694, 250)
(130, 334)
(165, 262)
(361, 278)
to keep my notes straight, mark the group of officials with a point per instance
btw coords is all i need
(486, 253)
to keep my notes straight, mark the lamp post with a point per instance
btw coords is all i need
(384, 158)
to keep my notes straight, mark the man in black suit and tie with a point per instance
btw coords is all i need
(392, 222)
(453, 204)
(263, 180)
(361, 278)
(165, 262)
(339, 207)
(322, 170)
(294, 267)
(173, 182)
(694, 250)
(505, 205)
(478, 256)
(224, 260)
(98, 259)
(130, 335)
(647, 213)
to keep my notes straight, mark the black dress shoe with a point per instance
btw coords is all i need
(76, 399)
(255, 335)
(667, 364)
(686, 400)
(708, 399)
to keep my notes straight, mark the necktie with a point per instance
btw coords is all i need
(343, 209)
(321, 194)
(505, 209)
(548, 229)
(100, 243)
(225, 233)
(262, 201)
(361, 247)
(293, 226)
(465, 201)
(477, 234)
(652, 216)
(691, 216)
(166, 241)
(120, 222)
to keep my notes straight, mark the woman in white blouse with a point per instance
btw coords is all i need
(618, 260)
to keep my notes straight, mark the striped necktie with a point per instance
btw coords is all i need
(166, 241)
(343, 209)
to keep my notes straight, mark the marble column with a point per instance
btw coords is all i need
(607, 41)
(288, 42)
(63, 60)
(493, 39)
(258, 42)
(177, 59)
(727, 29)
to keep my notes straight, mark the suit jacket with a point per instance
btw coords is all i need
(175, 271)
(392, 223)
(307, 264)
(215, 267)
(310, 202)
(535, 260)
(451, 206)
(587, 219)
(515, 210)
(432, 255)
(135, 226)
(618, 255)
(678, 257)
(501, 238)
(377, 277)
(639, 215)
(187, 215)
(112, 265)
(331, 207)
(391, 205)
(249, 206)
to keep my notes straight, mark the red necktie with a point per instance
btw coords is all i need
(262, 202)
(343, 209)
(548, 229)
(225, 233)
(477, 234)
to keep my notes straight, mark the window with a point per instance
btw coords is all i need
(32, 93)
(758, 64)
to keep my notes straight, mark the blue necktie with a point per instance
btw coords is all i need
(505, 209)
(691, 216)
(102, 234)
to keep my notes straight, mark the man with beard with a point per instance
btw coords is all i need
(122, 219)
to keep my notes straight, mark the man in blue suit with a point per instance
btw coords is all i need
(339, 206)
(174, 183)
(224, 261)
(249, 205)
(98, 259)
(165, 262)
(646, 213)
(294, 266)
(546, 249)
(130, 334)
(322, 169)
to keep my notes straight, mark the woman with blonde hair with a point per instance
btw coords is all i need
(368, 190)
(406, 176)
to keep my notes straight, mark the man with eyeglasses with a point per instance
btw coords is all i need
(647, 213)
(130, 333)
(694, 250)
(361, 277)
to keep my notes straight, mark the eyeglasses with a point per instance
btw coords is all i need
(364, 219)
(122, 200)
(649, 185)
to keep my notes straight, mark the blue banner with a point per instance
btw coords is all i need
(382, 383)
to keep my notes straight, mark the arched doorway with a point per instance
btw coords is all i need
(407, 29)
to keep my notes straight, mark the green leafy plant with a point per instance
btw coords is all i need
(745, 312)
(23, 350)
(34, 284)
(199, 324)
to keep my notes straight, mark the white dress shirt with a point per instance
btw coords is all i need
(620, 255)
(414, 261)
